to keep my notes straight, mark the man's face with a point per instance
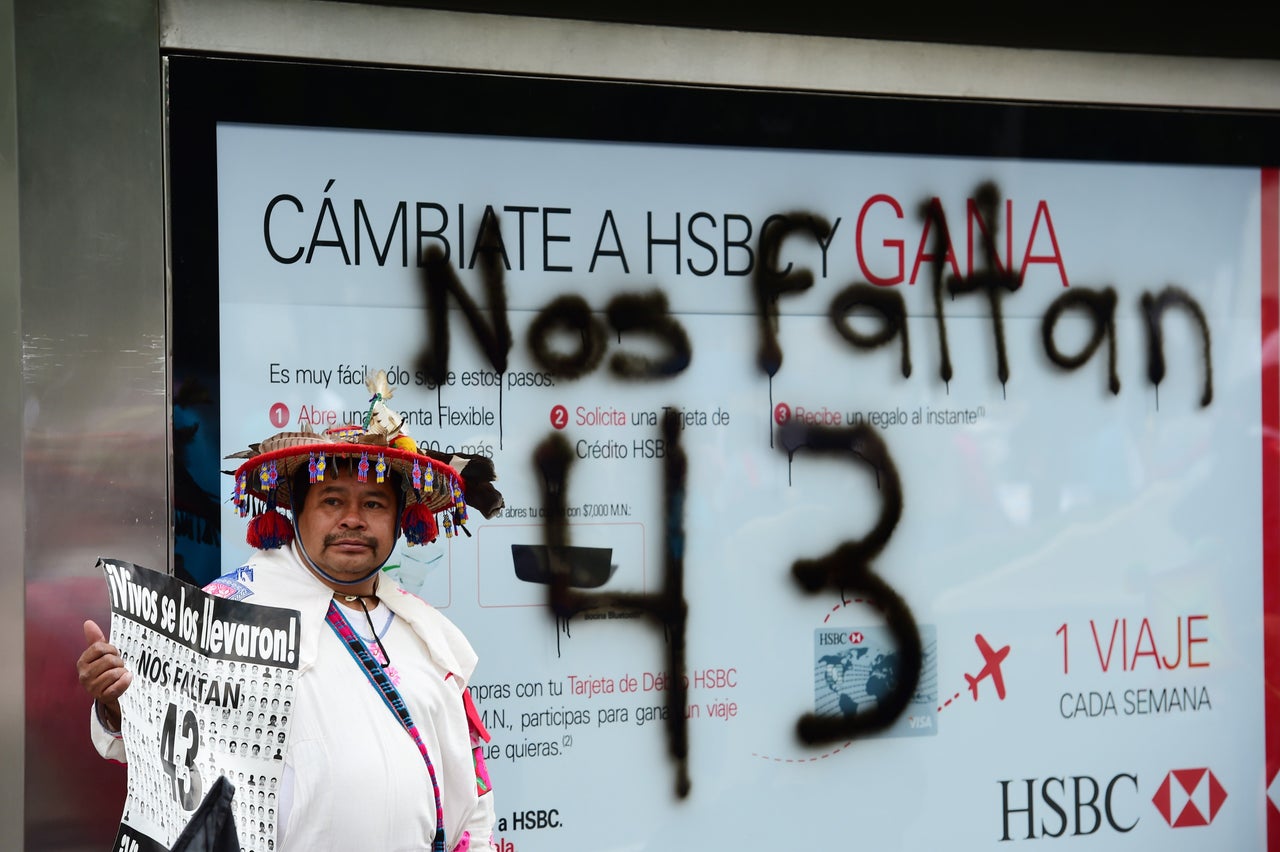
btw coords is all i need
(348, 526)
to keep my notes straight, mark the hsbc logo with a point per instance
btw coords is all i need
(1036, 808)
(1189, 797)
(1075, 803)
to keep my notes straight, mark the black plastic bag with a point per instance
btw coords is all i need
(212, 827)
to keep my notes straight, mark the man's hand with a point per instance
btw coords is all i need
(103, 675)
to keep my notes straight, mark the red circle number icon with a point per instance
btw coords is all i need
(279, 415)
(559, 416)
(781, 413)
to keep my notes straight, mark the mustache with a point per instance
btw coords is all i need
(367, 540)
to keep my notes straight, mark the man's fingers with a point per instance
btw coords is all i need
(116, 689)
(100, 668)
(96, 664)
(108, 685)
(98, 647)
(96, 654)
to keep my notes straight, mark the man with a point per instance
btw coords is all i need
(356, 774)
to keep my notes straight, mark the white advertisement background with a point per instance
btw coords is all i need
(1061, 503)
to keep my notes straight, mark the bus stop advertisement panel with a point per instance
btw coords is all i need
(980, 446)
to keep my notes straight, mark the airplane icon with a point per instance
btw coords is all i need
(991, 667)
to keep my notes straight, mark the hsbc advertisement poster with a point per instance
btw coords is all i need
(1054, 384)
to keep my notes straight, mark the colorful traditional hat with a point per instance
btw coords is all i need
(432, 489)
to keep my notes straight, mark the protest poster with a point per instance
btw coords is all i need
(212, 692)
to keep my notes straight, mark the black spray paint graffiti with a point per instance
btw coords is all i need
(992, 279)
(1154, 307)
(847, 567)
(637, 313)
(995, 279)
(1101, 307)
(667, 608)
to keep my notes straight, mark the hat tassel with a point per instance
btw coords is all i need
(419, 525)
(269, 530)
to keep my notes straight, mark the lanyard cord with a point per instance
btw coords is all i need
(377, 636)
(390, 697)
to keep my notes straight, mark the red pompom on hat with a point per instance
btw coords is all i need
(419, 525)
(269, 530)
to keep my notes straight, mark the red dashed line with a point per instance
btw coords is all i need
(813, 759)
(844, 604)
(947, 703)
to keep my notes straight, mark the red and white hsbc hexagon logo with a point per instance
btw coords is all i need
(1189, 797)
